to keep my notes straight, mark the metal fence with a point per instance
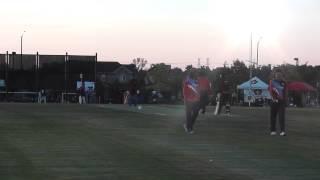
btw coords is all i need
(54, 73)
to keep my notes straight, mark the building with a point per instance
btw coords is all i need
(113, 79)
(111, 72)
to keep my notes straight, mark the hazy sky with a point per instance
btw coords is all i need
(172, 31)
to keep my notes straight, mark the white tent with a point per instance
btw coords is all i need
(254, 89)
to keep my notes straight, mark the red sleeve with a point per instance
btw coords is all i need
(270, 86)
(204, 84)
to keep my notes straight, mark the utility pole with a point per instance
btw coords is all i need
(7, 63)
(258, 44)
(37, 67)
(65, 72)
(251, 63)
(21, 50)
(250, 66)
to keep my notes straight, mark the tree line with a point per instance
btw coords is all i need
(164, 78)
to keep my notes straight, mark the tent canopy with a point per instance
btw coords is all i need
(300, 87)
(254, 83)
(2, 83)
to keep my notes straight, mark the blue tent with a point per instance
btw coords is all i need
(254, 89)
(254, 83)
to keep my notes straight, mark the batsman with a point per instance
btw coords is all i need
(223, 96)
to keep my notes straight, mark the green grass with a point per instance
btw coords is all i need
(56, 141)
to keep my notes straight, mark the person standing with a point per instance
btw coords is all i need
(126, 96)
(205, 90)
(139, 99)
(42, 97)
(226, 94)
(219, 86)
(278, 92)
(82, 95)
(133, 98)
(223, 95)
(191, 100)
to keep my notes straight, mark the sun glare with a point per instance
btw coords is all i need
(238, 19)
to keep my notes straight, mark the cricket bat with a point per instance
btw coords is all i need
(218, 104)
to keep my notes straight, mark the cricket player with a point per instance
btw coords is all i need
(42, 97)
(278, 92)
(191, 96)
(223, 96)
(205, 90)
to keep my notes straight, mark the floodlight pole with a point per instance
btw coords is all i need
(258, 44)
(250, 67)
(21, 39)
(250, 76)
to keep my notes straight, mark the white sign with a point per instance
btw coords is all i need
(88, 85)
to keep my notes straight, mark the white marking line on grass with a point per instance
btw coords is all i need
(225, 115)
(160, 114)
(133, 110)
(149, 106)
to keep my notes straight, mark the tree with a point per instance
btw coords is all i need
(188, 68)
(166, 80)
(159, 73)
(175, 81)
(140, 63)
(290, 72)
(238, 73)
(264, 72)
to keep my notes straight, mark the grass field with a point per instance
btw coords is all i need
(56, 141)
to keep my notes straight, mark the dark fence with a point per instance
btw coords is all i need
(57, 73)
(2, 66)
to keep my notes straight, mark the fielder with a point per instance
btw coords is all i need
(278, 91)
(191, 100)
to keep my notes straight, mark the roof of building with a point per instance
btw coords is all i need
(107, 66)
(111, 66)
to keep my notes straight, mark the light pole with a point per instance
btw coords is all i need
(21, 50)
(252, 64)
(258, 44)
(250, 67)
(250, 76)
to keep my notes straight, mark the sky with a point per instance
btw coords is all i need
(176, 32)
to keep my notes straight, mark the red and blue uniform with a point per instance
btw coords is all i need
(191, 98)
(277, 89)
(191, 90)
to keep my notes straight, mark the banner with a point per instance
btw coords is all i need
(88, 85)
